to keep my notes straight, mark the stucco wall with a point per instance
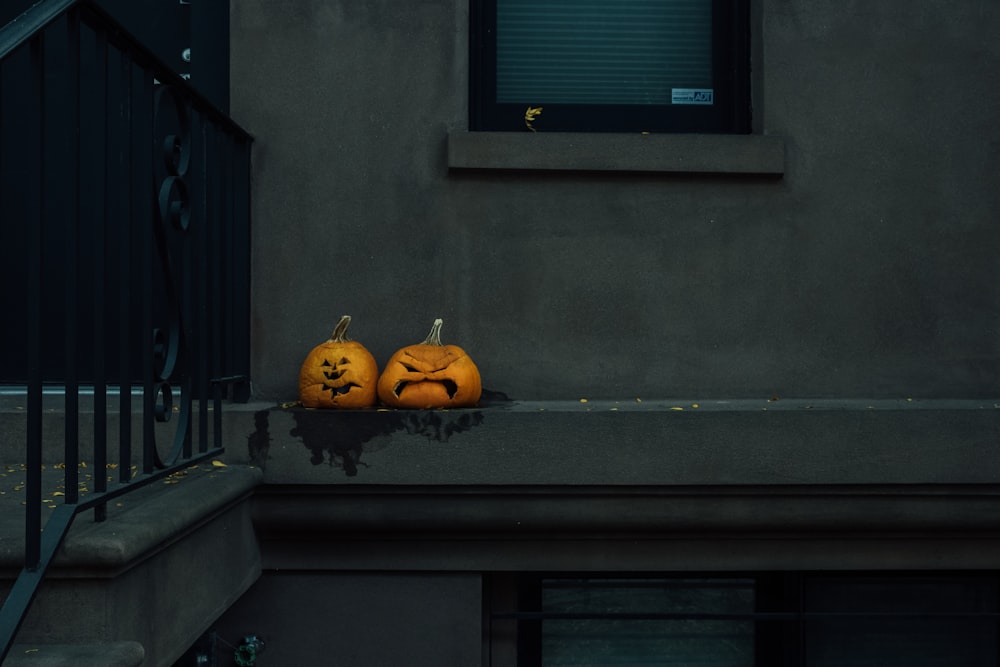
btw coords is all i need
(869, 269)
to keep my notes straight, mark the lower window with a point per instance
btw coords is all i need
(763, 619)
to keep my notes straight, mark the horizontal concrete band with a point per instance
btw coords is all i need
(873, 527)
(573, 513)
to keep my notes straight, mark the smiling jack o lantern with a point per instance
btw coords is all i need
(430, 375)
(340, 373)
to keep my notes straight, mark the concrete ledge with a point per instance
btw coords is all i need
(623, 513)
(571, 151)
(107, 654)
(631, 443)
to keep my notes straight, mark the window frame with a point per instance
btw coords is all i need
(729, 114)
(513, 614)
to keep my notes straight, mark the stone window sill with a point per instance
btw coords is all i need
(572, 151)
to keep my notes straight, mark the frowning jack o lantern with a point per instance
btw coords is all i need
(340, 373)
(430, 375)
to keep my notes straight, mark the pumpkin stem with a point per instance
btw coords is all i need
(434, 337)
(339, 334)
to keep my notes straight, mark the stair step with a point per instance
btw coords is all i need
(105, 654)
(184, 546)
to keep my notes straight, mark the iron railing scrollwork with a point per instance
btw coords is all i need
(124, 204)
(174, 216)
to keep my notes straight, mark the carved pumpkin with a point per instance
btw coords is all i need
(430, 375)
(339, 373)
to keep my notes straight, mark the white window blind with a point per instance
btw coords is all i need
(602, 51)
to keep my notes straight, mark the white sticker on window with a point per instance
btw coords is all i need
(692, 95)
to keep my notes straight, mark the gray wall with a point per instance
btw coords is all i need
(868, 269)
(308, 618)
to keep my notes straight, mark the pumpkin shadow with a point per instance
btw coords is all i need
(338, 438)
(259, 442)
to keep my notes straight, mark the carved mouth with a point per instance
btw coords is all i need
(449, 386)
(343, 389)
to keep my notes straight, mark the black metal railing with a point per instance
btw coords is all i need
(124, 209)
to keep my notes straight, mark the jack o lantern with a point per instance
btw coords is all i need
(430, 375)
(339, 373)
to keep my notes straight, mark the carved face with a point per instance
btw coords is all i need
(339, 373)
(430, 375)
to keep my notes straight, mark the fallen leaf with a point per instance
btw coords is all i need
(218, 464)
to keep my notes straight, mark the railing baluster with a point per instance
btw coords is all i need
(93, 195)
(202, 222)
(66, 121)
(142, 216)
(120, 91)
(33, 221)
(189, 308)
(217, 240)
(240, 168)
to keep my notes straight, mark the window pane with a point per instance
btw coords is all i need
(601, 51)
(937, 625)
(696, 642)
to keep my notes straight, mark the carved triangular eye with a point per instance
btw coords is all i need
(344, 360)
(326, 363)
(412, 369)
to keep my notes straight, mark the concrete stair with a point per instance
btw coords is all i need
(141, 587)
(109, 654)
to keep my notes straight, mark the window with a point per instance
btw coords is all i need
(610, 65)
(746, 620)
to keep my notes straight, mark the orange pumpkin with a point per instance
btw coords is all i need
(430, 375)
(339, 373)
